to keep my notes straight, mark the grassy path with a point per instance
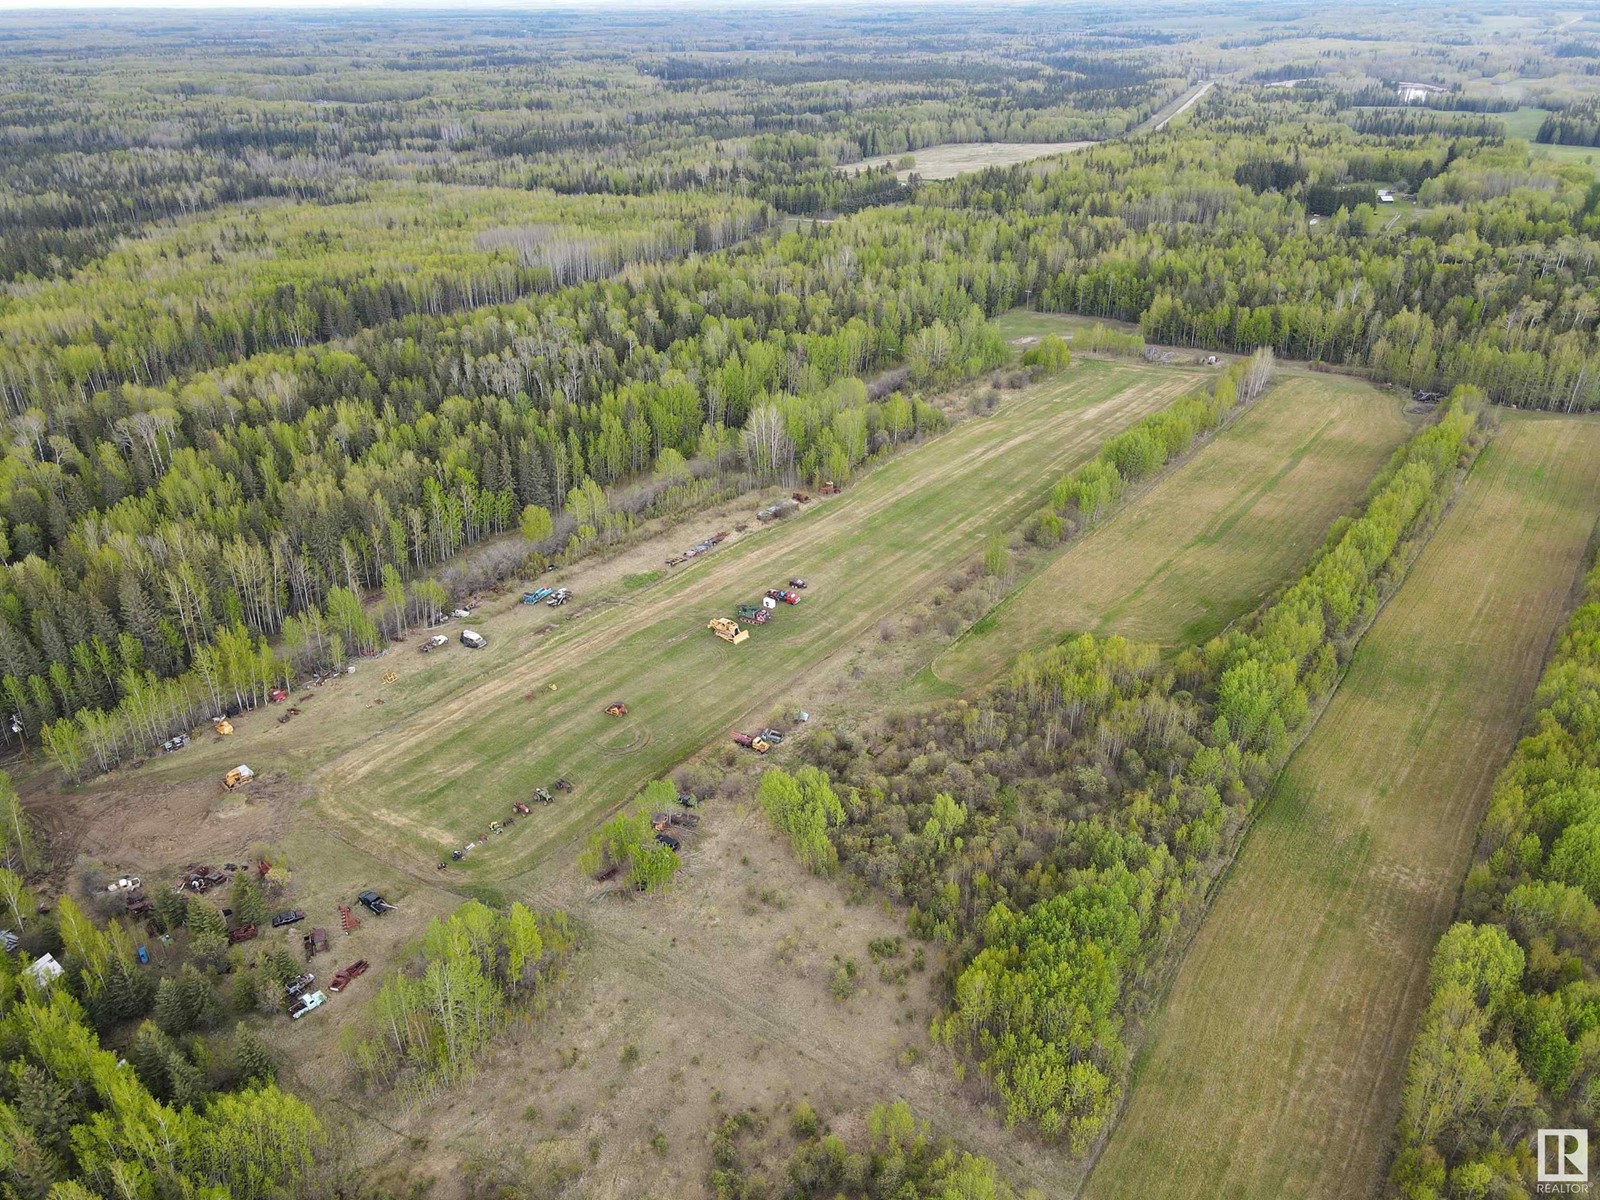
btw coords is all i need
(1274, 1070)
(1206, 545)
(460, 742)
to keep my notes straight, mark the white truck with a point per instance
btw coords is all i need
(473, 641)
(307, 1004)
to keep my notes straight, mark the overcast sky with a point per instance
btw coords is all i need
(423, 5)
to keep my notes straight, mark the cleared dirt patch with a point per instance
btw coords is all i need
(1206, 545)
(1275, 1068)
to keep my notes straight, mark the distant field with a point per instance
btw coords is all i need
(958, 158)
(1205, 546)
(1274, 1069)
(1525, 122)
(456, 741)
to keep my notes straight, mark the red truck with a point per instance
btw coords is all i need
(786, 597)
(342, 980)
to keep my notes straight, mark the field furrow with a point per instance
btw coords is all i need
(1274, 1068)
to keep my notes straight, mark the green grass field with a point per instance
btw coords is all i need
(461, 736)
(1274, 1068)
(1207, 544)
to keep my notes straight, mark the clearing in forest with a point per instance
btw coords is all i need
(462, 739)
(1274, 1069)
(958, 158)
(1205, 546)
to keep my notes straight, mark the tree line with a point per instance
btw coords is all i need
(1510, 1040)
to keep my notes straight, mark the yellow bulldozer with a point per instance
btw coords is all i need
(727, 629)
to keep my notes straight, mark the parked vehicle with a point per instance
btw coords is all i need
(773, 736)
(343, 979)
(473, 640)
(288, 918)
(797, 583)
(295, 986)
(308, 1003)
(670, 842)
(786, 597)
(759, 745)
(241, 933)
(375, 902)
(728, 630)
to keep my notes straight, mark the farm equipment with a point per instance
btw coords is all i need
(616, 709)
(521, 809)
(432, 643)
(496, 827)
(240, 774)
(390, 676)
(535, 597)
(278, 695)
(176, 742)
(222, 726)
(375, 902)
(829, 489)
(343, 979)
(348, 920)
(307, 1004)
(759, 745)
(728, 630)
(543, 796)
(241, 933)
(802, 498)
(315, 942)
(754, 614)
(198, 878)
(786, 597)
(559, 597)
(684, 820)
(563, 784)
(472, 640)
(288, 918)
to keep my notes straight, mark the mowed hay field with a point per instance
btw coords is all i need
(1275, 1068)
(461, 740)
(1206, 545)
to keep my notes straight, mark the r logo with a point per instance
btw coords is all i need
(1563, 1156)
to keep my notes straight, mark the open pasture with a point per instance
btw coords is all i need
(460, 735)
(1274, 1068)
(1205, 545)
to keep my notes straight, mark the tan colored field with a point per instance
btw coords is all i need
(958, 158)
(1274, 1069)
(1209, 543)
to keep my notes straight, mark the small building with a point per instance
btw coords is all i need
(1385, 196)
(44, 971)
(9, 941)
